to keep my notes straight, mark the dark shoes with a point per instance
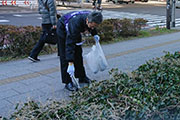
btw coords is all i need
(70, 87)
(33, 59)
(85, 80)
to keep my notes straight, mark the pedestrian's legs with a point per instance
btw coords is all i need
(94, 3)
(99, 4)
(39, 46)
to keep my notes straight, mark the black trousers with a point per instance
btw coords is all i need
(40, 44)
(78, 63)
(98, 2)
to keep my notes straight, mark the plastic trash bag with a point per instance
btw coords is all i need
(95, 59)
(75, 82)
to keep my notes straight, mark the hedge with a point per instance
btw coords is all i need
(17, 41)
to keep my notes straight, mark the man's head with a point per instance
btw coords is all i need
(94, 19)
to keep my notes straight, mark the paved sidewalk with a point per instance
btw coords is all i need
(22, 79)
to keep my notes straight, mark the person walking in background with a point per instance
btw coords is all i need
(47, 9)
(97, 5)
(69, 29)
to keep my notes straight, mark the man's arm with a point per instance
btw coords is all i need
(52, 12)
(94, 34)
(93, 31)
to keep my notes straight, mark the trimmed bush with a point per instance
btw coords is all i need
(17, 41)
(128, 27)
(113, 28)
(152, 92)
(106, 30)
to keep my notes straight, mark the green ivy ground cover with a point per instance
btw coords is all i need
(151, 92)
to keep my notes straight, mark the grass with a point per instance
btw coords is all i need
(160, 31)
(147, 33)
(8, 58)
(144, 33)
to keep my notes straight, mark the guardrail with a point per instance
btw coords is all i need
(22, 3)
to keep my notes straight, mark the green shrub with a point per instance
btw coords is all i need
(106, 31)
(151, 92)
(19, 40)
(128, 27)
(114, 28)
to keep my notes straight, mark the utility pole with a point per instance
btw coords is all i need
(173, 12)
(168, 14)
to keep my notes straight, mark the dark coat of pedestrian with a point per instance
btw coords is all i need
(47, 9)
(69, 29)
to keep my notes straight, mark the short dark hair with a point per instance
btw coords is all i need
(95, 17)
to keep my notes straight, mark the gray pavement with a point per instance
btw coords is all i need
(23, 80)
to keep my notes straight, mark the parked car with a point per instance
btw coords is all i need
(177, 3)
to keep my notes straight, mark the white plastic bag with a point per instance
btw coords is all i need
(95, 59)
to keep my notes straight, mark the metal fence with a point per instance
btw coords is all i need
(22, 3)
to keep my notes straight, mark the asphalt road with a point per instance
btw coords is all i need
(33, 18)
(145, 8)
(21, 19)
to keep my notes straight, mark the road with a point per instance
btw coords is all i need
(145, 8)
(154, 13)
(21, 19)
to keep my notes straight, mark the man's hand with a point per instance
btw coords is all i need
(96, 38)
(71, 69)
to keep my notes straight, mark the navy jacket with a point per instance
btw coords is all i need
(76, 26)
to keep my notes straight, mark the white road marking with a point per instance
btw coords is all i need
(16, 15)
(39, 18)
(3, 21)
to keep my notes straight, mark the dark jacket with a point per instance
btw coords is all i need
(47, 9)
(76, 26)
